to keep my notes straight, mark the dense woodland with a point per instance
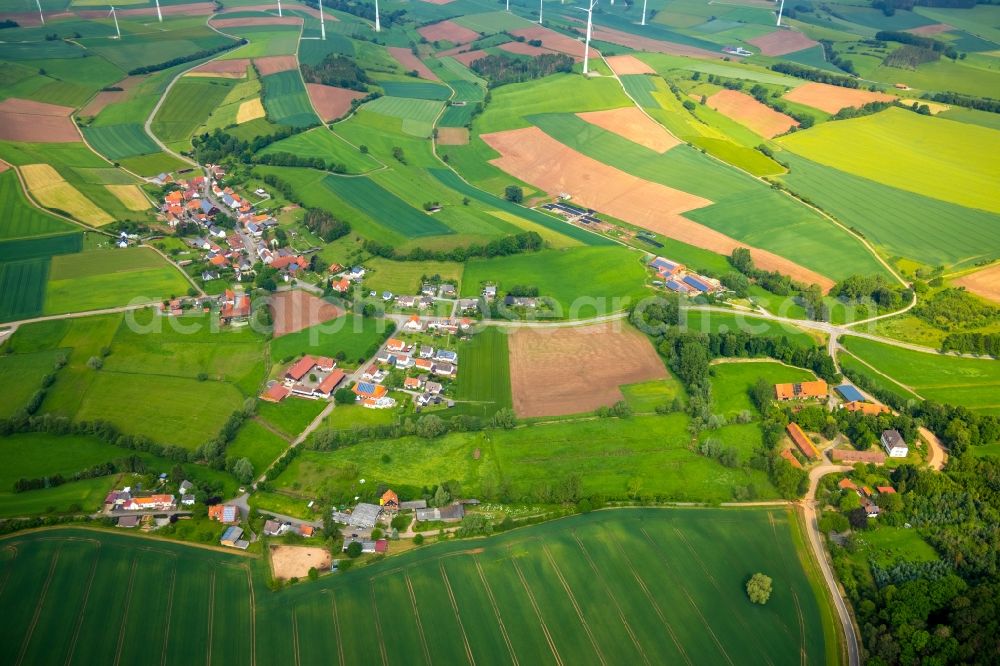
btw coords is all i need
(528, 241)
(325, 225)
(337, 70)
(503, 69)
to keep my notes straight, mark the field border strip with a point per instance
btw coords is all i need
(803, 656)
(336, 625)
(378, 624)
(253, 615)
(652, 602)
(170, 607)
(454, 608)
(83, 606)
(576, 605)
(295, 638)
(611, 596)
(694, 606)
(211, 619)
(38, 608)
(534, 606)
(496, 612)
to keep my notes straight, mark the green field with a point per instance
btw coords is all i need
(21, 375)
(974, 383)
(22, 288)
(731, 383)
(20, 218)
(286, 100)
(418, 115)
(415, 90)
(322, 143)
(291, 416)
(608, 584)
(743, 208)
(583, 281)
(355, 336)
(126, 140)
(188, 105)
(610, 456)
(723, 322)
(384, 207)
(934, 157)
(257, 444)
(919, 227)
(404, 277)
(484, 380)
(107, 278)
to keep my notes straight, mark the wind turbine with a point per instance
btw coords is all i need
(158, 14)
(586, 44)
(643, 12)
(113, 15)
(378, 25)
(508, 5)
(781, 9)
(279, 8)
(540, 5)
(322, 23)
(42, 16)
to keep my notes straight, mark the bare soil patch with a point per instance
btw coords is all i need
(331, 102)
(453, 136)
(832, 99)
(296, 561)
(411, 62)
(295, 310)
(745, 110)
(782, 41)
(523, 48)
(577, 369)
(540, 160)
(448, 32)
(275, 64)
(626, 64)
(247, 21)
(933, 29)
(555, 41)
(985, 282)
(469, 57)
(37, 122)
(634, 125)
(235, 67)
(648, 44)
(107, 97)
(3, 166)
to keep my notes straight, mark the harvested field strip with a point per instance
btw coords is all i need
(236, 67)
(634, 125)
(626, 64)
(781, 42)
(274, 64)
(536, 158)
(331, 103)
(412, 63)
(447, 31)
(453, 136)
(832, 99)
(985, 282)
(249, 110)
(49, 189)
(566, 357)
(554, 41)
(747, 111)
(130, 196)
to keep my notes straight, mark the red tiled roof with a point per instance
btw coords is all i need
(331, 381)
(847, 484)
(801, 441)
(886, 490)
(300, 368)
(276, 393)
(787, 455)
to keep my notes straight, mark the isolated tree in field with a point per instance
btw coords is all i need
(505, 418)
(514, 193)
(243, 470)
(354, 549)
(759, 588)
(95, 363)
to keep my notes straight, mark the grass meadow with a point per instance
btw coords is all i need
(286, 100)
(583, 281)
(22, 288)
(257, 444)
(974, 383)
(21, 375)
(483, 384)
(617, 584)
(644, 456)
(291, 416)
(356, 337)
(125, 140)
(950, 161)
(21, 219)
(731, 383)
(919, 228)
(187, 106)
(324, 144)
(405, 277)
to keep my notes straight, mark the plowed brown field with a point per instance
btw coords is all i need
(331, 102)
(745, 110)
(833, 98)
(634, 125)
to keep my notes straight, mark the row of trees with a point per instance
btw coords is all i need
(972, 343)
(810, 74)
(132, 463)
(282, 158)
(528, 241)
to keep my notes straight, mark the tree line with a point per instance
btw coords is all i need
(818, 75)
(919, 41)
(198, 55)
(219, 146)
(528, 241)
(131, 463)
(337, 70)
(968, 101)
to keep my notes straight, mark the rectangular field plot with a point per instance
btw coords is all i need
(22, 288)
(286, 100)
(384, 207)
(189, 104)
(484, 383)
(418, 115)
(415, 90)
(21, 219)
(322, 143)
(118, 141)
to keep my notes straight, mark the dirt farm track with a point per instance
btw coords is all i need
(572, 370)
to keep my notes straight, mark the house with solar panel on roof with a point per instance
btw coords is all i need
(675, 277)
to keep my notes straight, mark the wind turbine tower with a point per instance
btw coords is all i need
(781, 9)
(279, 7)
(643, 12)
(158, 14)
(586, 44)
(541, 4)
(322, 23)
(115, 17)
(378, 24)
(40, 14)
